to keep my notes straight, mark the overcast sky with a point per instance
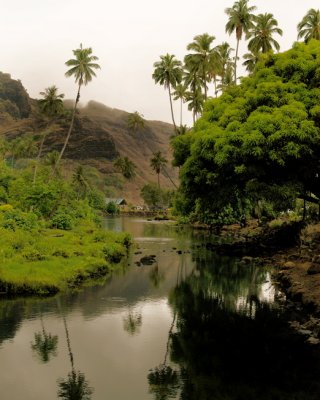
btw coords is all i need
(37, 37)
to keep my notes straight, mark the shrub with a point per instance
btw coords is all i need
(62, 221)
(112, 208)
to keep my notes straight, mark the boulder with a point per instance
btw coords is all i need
(314, 269)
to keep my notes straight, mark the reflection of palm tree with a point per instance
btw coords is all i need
(132, 322)
(164, 380)
(156, 276)
(45, 345)
(75, 386)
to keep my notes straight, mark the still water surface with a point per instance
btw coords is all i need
(192, 326)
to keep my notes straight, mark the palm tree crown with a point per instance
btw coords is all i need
(168, 73)
(309, 27)
(82, 66)
(52, 104)
(135, 120)
(240, 21)
(250, 62)
(261, 35)
(157, 163)
(202, 57)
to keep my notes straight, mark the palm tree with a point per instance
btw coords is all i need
(225, 63)
(240, 21)
(180, 94)
(157, 162)
(250, 62)
(261, 35)
(50, 106)
(82, 69)
(168, 73)
(126, 167)
(194, 96)
(135, 120)
(195, 101)
(202, 57)
(309, 27)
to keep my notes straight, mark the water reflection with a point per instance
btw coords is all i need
(206, 325)
(45, 344)
(156, 276)
(227, 349)
(75, 386)
(132, 322)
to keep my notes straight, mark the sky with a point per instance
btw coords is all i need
(38, 36)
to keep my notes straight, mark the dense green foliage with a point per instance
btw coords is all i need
(258, 141)
(155, 197)
(49, 230)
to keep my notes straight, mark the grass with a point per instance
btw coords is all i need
(48, 261)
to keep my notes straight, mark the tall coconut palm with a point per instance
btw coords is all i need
(309, 27)
(240, 21)
(82, 68)
(194, 95)
(168, 73)
(51, 106)
(157, 162)
(195, 101)
(135, 121)
(224, 61)
(202, 57)
(261, 35)
(180, 94)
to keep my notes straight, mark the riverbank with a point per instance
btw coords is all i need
(47, 261)
(294, 252)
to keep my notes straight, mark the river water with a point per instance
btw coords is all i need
(191, 326)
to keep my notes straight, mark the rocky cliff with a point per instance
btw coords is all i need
(100, 135)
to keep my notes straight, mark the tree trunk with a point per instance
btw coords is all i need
(235, 62)
(70, 128)
(205, 87)
(215, 86)
(39, 156)
(181, 112)
(174, 124)
(159, 180)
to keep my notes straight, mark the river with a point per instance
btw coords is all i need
(192, 325)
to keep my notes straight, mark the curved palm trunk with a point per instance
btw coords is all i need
(174, 123)
(205, 87)
(70, 128)
(235, 62)
(169, 177)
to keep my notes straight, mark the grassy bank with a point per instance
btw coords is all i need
(46, 261)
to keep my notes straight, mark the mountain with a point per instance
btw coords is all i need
(100, 135)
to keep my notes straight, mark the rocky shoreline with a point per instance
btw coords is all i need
(293, 249)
